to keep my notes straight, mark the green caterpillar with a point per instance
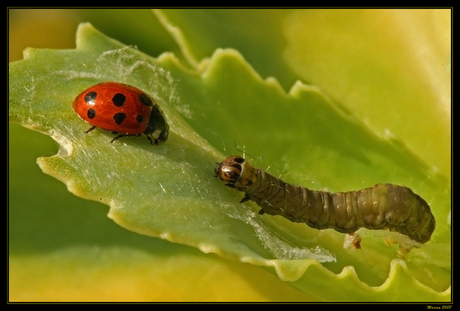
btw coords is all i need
(383, 206)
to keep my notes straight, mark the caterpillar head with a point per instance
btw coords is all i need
(229, 170)
(236, 172)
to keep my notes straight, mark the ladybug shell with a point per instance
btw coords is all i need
(121, 108)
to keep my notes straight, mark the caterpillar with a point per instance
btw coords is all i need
(383, 206)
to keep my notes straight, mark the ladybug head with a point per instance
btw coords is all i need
(157, 127)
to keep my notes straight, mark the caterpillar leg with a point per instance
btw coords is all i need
(403, 251)
(390, 241)
(245, 198)
(404, 242)
(405, 247)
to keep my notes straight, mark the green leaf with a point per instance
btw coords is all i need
(169, 191)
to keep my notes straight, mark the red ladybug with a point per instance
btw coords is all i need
(123, 110)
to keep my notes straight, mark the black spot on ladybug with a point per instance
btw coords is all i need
(90, 98)
(143, 98)
(139, 119)
(118, 99)
(119, 117)
(91, 113)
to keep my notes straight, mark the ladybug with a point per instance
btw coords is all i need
(123, 110)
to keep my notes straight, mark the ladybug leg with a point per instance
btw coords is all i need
(150, 140)
(119, 136)
(124, 135)
(92, 128)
